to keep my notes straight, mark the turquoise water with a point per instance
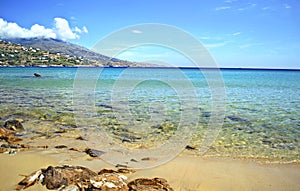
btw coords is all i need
(261, 119)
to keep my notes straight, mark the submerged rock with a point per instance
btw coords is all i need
(206, 114)
(14, 125)
(166, 127)
(128, 137)
(105, 106)
(237, 118)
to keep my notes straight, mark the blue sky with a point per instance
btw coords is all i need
(237, 33)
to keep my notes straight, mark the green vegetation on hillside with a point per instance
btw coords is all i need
(18, 55)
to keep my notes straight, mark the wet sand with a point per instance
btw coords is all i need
(183, 173)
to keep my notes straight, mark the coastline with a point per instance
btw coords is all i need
(150, 67)
(183, 172)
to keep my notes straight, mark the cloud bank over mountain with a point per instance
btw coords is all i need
(60, 30)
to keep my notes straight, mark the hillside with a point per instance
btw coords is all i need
(18, 55)
(59, 46)
(53, 52)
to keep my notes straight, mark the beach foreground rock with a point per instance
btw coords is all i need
(62, 177)
(154, 184)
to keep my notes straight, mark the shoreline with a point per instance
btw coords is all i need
(182, 173)
(152, 67)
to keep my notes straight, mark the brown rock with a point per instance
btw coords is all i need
(121, 170)
(126, 171)
(103, 171)
(55, 177)
(8, 135)
(84, 179)
(109, 182)
(155, 184)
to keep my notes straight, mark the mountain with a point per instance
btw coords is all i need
(18, 55)
(59, 47)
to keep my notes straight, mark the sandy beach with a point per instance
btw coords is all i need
(183, 173)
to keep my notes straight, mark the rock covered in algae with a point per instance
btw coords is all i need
(14, 125)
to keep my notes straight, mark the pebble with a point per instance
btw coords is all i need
(188, 147)
(60, 147)
(94, 152)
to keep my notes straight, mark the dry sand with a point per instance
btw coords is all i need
(183, 173)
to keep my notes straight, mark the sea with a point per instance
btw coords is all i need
(239, 113)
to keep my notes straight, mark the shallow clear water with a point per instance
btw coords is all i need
(142, 107)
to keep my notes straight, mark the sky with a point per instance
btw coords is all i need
(237, 33)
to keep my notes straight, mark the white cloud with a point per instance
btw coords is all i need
(205, 38)
(236, 33)
(265, 8)
(63, 29)
(80, 31)
(76, 29)
(40, 31)
(222, 8)
(60, 30)
(229, 1)
(137, 31)
(12, 30)
(84, 29)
